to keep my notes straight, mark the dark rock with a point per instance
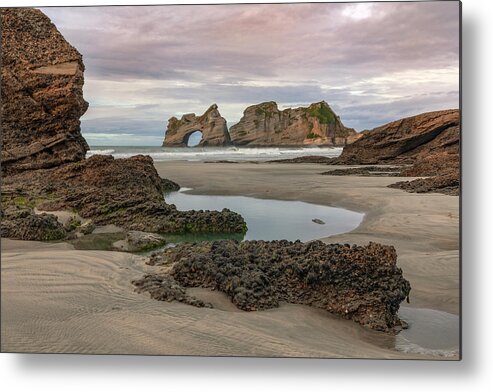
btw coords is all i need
(165, 288)
(446, 184)
(125, 192)
(442, 170)
(23, 224)
(361, 283)
(366, 171)
(41, 84)
(305, 159)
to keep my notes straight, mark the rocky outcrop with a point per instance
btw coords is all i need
(212, 125)
(265, 125)
(428, 141)
(406, 140)
(21, 223)
(361, 283)
(442, 172)
(124, 192)
(139, 241)
(41, 86)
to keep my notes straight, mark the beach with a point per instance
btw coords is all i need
(58, 299)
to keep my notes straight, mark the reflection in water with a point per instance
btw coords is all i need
(273, 219)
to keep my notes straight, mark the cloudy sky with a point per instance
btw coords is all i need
(372, 62)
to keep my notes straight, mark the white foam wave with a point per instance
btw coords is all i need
(99, 152)
(225, 153)
(412, 348)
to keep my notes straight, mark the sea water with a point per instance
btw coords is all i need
(231, 153)
(268, 219)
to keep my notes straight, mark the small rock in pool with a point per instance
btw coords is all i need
(318, 221)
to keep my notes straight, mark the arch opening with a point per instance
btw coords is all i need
(194, 139)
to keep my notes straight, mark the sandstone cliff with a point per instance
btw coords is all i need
(265, 125)
(212, 125)
(41, 87)
(406, 140)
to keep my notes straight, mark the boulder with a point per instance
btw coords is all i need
(360, 283)
(212, 125)
(265, 125)
(23, 224)
(42, 79)
(139, 241)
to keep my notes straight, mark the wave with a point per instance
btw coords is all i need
(217, 153)
(412, 348)
(99, 152)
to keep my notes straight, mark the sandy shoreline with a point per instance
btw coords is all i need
(424, 228)
(56, 299)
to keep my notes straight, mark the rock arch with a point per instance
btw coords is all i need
(212, 125)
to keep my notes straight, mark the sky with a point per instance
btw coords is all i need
(372, 62)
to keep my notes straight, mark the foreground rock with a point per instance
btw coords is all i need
(361, 283)
(139, 241)
(265, 125)
(212, 125)
(41, 84)
(21, 223)
(442, 172)
(165, 288)
(124, 192)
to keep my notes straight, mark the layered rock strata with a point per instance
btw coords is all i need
(211, 124)
(265, 125)
(125, 192)
(406, 140)
(361, 283)
(41, 87)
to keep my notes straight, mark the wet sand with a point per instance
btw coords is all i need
(57, 299)
(424, 228)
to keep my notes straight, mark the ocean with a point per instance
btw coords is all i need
(160, 154)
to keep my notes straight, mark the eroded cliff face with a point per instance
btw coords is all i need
(41, 88)
(407, 140)
(212, 125)
(265, 125)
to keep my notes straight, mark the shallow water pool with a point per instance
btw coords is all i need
(272, 219)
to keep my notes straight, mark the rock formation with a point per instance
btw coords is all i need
(41, 87)
(212, 125)
(361, 283)
(406, 140)
(43, 152)
(265, 125)
(125, 192)
(428, 141)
